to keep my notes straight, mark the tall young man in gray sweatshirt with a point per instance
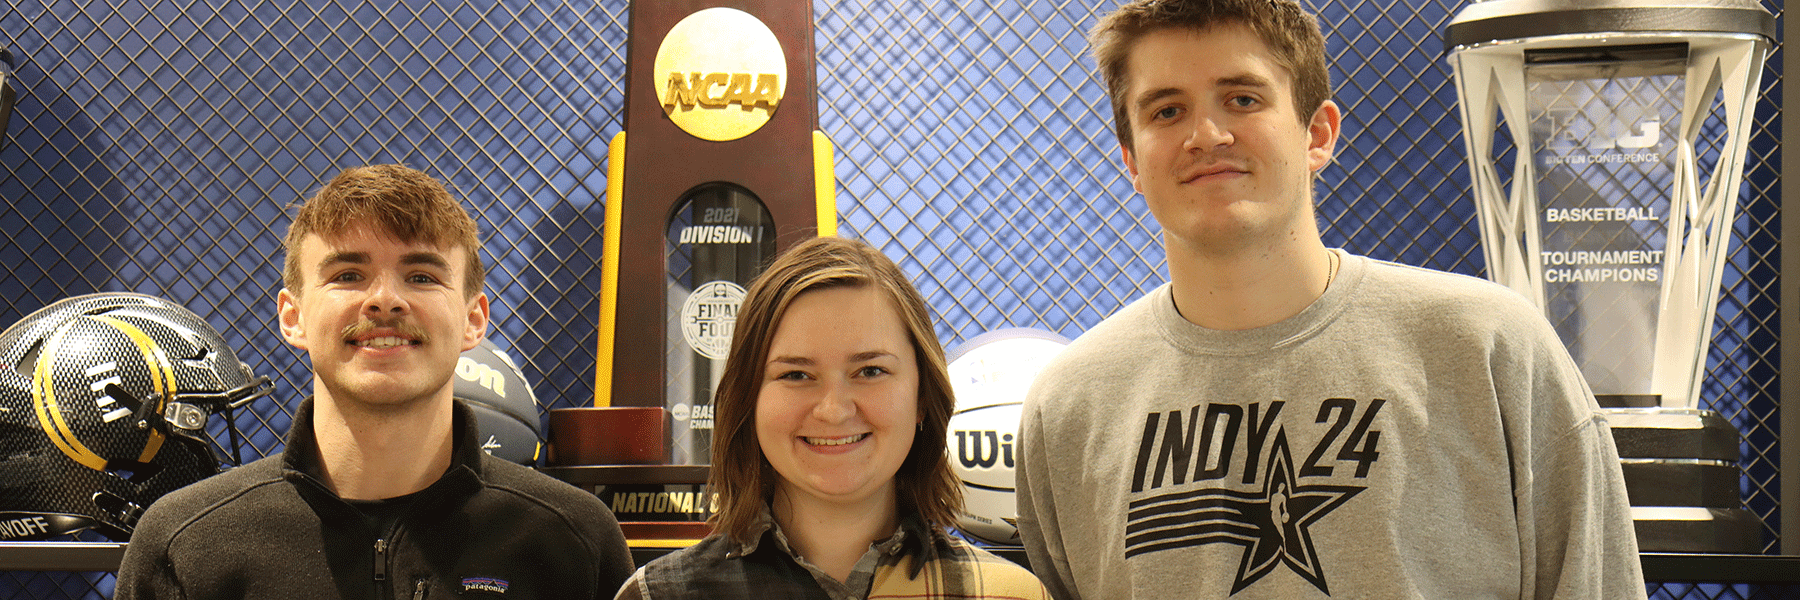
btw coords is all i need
(1283, 420)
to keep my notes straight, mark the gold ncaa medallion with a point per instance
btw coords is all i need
(721, 74)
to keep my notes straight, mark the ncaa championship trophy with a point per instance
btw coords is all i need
(720, 167)
(1628, 124)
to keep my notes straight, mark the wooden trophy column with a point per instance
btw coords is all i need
(719, 168)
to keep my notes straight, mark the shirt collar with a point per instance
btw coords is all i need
(912, 538)
(301, 457)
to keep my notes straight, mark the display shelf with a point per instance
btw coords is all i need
(1721, 568)
(60, 556)
(665, 531)
(1658, 567)
(630, 474)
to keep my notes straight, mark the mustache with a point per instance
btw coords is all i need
(405, 329)
(1194, 162)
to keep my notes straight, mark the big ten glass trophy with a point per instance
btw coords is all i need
(720, 167)
(1611, 204)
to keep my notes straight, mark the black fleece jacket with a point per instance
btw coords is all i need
(272, 529)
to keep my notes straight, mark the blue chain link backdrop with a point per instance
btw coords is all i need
(156, 145)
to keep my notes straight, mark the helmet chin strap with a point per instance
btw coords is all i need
(124, 512)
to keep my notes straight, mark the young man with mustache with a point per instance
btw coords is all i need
(383, 490)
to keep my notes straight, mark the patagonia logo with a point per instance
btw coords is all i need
(484, 584)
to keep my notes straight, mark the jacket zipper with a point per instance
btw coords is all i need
(419, 590)
(381, 571)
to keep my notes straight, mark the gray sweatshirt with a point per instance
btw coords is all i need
(1412, 434)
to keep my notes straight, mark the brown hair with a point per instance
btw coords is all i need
(405, 203)
(1291, 33)
(741, 476)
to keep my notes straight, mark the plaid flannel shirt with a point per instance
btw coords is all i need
(918, 562)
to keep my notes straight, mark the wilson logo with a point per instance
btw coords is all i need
(984, 449)
(482, 375)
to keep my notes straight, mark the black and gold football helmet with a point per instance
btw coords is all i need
(104, 405)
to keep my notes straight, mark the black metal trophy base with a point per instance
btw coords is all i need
(1678, 482)
(1681, 476)
(1656, 432)
(1697, 530)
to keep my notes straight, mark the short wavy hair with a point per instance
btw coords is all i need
(741, 476)
(1291, 33)
(404, 202)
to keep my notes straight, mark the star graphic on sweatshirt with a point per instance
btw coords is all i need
(1283, 519)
